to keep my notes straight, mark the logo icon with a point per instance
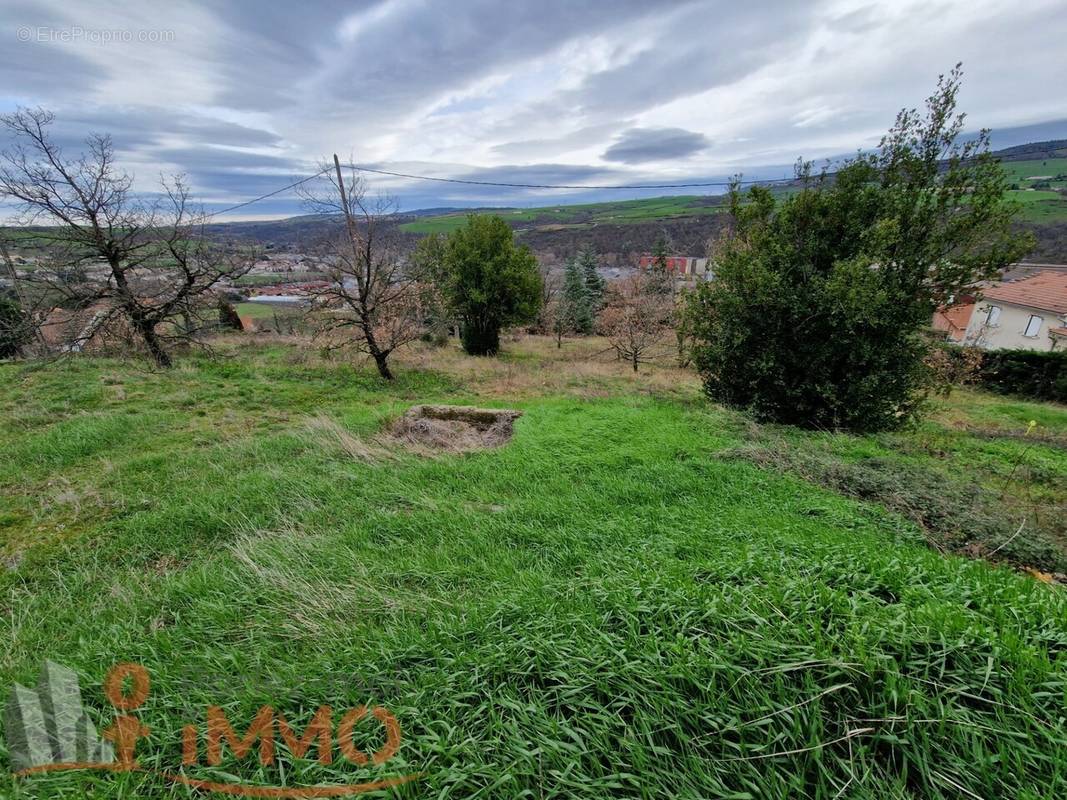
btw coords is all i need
(48, 725)
(48, 729)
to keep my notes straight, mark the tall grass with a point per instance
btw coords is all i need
(605, 607)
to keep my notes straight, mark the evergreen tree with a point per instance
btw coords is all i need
(660, 279)
(577, 311)
(594, 284)
(229, 319)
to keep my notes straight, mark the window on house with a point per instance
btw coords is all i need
(1033, 327)
(993, 317)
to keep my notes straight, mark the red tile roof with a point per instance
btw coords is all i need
(1046, 290)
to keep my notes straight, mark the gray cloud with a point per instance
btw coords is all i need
(247, 95)
(638, 145)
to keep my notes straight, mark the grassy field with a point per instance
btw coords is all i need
(268, 310)
(1021, 172)
(627, 600)
(619, 213)
(1040, 206)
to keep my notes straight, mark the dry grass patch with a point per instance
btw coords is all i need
(425, 430)
(454, 429)
(533, 365)
(332, 433)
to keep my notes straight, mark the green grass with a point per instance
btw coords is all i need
(617, 213)
(1020, 171)
(264, 310)
(607, 606)
(1039, 206)
(971, 475)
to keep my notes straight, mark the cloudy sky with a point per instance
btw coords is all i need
(245, 97)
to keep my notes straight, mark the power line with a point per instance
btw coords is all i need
(630, 187)
(269, 194)
(627, 187)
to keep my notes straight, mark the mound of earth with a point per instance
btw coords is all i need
(458, 429)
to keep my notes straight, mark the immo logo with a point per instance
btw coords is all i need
(48, 730)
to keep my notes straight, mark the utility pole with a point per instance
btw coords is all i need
(344, 199)
(349, 222)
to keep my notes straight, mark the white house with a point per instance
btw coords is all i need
(1028, 314)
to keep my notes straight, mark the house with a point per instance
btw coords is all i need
(682, 267)
(1028, 314)
(953, 319)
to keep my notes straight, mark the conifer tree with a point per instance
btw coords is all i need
(594, 284)
(659, 273)
(577, 312)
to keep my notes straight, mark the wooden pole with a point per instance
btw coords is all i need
(344, 199)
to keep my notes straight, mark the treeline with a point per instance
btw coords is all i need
(1050, 241)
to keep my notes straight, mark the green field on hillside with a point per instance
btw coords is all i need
(622, 601)
(1022, 172)
(1041, 206)
(618, 213)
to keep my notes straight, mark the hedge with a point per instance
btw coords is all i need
(1042, 376)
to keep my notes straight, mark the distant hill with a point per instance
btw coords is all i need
(1037, 172)
(1054, 148)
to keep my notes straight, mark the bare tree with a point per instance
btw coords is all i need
(112, 256)
(372, 299)
(637, 318)
(550, 286)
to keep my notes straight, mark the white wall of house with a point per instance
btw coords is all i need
(996, 325)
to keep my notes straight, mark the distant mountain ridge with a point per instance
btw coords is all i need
(1037, 172)
(1034, 151)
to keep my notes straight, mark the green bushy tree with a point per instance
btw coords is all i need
(487, 281)
(817, 313)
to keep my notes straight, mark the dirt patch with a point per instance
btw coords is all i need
(455, 429)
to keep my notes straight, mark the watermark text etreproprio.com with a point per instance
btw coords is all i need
(76, 33)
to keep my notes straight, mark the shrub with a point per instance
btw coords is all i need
(817, 313)
(14, 327)
(229, 319)
(1042, 376)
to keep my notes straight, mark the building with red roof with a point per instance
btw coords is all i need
(1028, 314)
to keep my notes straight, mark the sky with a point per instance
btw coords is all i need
(245, 97)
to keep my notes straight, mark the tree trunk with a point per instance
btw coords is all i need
(381, 357)
(480, 337)
(155, 347)
(381, 361)
(635, 362)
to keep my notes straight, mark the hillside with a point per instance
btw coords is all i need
(667, 613)
(1036, 182)
(621, 229)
